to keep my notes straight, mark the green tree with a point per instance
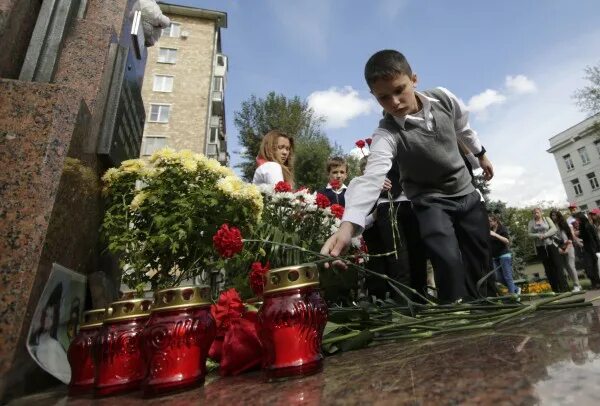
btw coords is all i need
(588, 97)
(311, 162)
(258, 116)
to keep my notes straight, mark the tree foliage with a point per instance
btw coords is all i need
(258, 116)
(311, 162)
(588, 97)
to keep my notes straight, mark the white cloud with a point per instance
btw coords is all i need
(339, 106)
(520, 84)
(516, 133)
(480, 102)
(516, 183)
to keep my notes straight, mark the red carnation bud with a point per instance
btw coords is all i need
(283, 186)
(257, 277)
(360, 144)
(335, 184)
(369, 141)
(228, 241)
(337, 210)
(322, 201)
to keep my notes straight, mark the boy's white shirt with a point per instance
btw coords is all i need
(269, 173)
(336, 191)
(363, 191)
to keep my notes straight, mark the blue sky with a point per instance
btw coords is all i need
(515, 63)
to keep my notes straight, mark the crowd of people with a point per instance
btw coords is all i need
(559, 242)
(417, 187)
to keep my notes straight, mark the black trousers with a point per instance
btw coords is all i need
(409, 265)
(455, 231)
(550, 258)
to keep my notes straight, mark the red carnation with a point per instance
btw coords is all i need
(237, 346)
(360, 144)
(322, 201)
(369, 141)
(228, 241)
(363, 246)
(335, 184)
(337, 210)
(257, 277)
(241, 350)
(283, 186)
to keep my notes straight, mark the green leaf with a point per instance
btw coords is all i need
(331, 327)
(347, 316)
(363, 339)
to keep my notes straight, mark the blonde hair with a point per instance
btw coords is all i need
(267, 149)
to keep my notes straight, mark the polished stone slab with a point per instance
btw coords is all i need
(547, 358)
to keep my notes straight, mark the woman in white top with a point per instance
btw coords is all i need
(275, 161)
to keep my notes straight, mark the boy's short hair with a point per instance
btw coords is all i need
(336, 161)
(386, 64)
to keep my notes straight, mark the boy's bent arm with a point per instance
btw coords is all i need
(467, 135)
(363, 191)
(461, 124)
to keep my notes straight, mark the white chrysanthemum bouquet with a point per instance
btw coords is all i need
(161, 215)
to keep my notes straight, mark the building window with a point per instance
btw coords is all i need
(597, 203)
(577, 187)
(593, 181)
(153, 143)
(220, 60)
(583, 207)
(597, 145)
(173, 30)
(568, 162)
(163, 83)
(584, 155)
(167, 55)
(159, 113)
(218, 83)
(214, 135)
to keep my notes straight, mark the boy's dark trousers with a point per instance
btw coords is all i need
(455, 231)
(410, 267)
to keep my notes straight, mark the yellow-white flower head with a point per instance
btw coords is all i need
(138, 199)
(110, 175)
(132, 165)
(165, 153)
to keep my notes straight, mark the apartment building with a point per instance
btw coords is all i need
(577, 154)
(184, 84)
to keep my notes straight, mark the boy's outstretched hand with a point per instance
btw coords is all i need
(338, 243)
(486, 165)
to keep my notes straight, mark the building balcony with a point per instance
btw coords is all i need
(217, 102)
(218, 151)
(220, 65)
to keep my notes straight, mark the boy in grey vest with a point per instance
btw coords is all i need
(420, 132)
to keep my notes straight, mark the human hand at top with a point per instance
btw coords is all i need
(338, 243)
(486, 165)
(387, 185)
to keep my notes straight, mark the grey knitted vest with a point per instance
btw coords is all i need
(429, 162)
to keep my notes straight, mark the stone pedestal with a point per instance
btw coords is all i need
(50, 201)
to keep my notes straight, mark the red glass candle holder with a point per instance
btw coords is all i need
(177, 339)
(120, 363)
(81, 353)
(292, 319)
